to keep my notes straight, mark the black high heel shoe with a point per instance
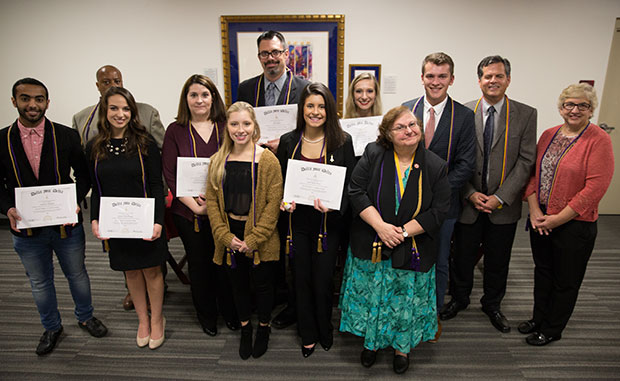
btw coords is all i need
(306, 352)
(233, 325)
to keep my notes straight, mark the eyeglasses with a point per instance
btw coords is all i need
(402, 128)
(569, 106)
(274, 53)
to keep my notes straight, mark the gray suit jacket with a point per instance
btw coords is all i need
(148, 115)
(520, 158)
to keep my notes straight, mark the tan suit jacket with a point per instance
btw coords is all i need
(148, 115)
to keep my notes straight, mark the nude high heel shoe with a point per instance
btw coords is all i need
(154, 344)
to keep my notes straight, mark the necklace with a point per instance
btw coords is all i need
(117, 150)
(312, 141)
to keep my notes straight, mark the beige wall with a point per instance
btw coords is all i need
(157, 44)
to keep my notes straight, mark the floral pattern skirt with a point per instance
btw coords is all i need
(387, 307)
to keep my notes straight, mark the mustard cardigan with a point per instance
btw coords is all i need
(263, 237)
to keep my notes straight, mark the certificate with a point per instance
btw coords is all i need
(362, 130)
(275, 121)
(47, 205)
(126, 217)
(307, 181)
(192, 176)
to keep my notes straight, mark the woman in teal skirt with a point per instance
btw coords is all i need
(400, 195)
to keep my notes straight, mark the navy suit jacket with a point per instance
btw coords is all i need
(247, 91)
(462, 160)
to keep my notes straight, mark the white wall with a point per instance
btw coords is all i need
(157, 44)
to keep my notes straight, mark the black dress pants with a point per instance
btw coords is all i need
(314, 273)
(210, 285)
(245, 277)
(561, 259)
(496, 242)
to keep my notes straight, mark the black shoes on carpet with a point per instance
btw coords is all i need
(48, 341)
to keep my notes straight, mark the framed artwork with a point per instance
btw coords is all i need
(316, 49)
(355, 70)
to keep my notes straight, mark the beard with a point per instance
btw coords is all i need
(33, 120)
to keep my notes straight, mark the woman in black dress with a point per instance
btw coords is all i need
(125, 162)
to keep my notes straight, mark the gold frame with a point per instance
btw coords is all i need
(289, 22)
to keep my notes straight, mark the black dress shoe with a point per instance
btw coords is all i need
(528, 326)
(245, 344)
(401, 364)
(233, 325)
(48, 341)
(451, 309)
(210, 330)
(368, 357)
(128, 303)
(499, 321)
(327, 344)
(262, 341)
(539, 339)
(285, 318)
(94, 327)
(306, 352)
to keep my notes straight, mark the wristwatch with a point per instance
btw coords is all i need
(405, 234)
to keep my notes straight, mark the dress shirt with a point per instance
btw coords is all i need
(439, 107)
(279, 83)
(485, 114)
(32, 140)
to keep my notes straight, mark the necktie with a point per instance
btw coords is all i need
(270, 94)
(489, 126)
(429, 131)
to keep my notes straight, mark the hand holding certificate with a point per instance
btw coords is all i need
(192, 176)
(47, 205)
(126, 217)
(307, 182)
(362, 130)
(275, 121)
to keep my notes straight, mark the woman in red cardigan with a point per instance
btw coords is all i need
(574, 167)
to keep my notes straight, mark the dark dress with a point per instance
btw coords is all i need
(121, 176)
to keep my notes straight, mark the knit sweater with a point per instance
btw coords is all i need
(582, 176)
(262, 237)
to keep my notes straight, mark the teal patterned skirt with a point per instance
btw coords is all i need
(387, 307)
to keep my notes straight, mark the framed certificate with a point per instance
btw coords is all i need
(307, 181)
(192, 176)
(275, 121)
(47, 205)
(362, 131)
(126, 217)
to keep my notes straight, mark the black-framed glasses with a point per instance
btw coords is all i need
(402, 128)
(568, 106)
(274, 53)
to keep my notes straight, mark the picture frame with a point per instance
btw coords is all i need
(356, 69)
(316, 49)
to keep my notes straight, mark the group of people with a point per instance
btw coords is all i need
(440, 177)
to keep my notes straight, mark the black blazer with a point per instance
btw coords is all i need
(247, 91)
(70, 156)
(363, 190)
(462, 151)
(343, 156)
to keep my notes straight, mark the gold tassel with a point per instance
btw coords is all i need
(376, 252)
(196, 226)
(228, 259)
(380, 245)
(256, 258)
(287, 249)
(106, 246)
(29, 232)
(63, 232)
(319, 248)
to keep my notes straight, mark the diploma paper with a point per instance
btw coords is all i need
(362, 130)
(192, 176)
(126, 217)
(275, 121)
(307, 181)
(47, 205)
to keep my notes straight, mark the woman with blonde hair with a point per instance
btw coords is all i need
(364, 97)
(244, 189)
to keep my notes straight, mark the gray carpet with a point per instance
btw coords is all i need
(470, 348)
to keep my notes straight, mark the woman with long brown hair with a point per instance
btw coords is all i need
(125, 162)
